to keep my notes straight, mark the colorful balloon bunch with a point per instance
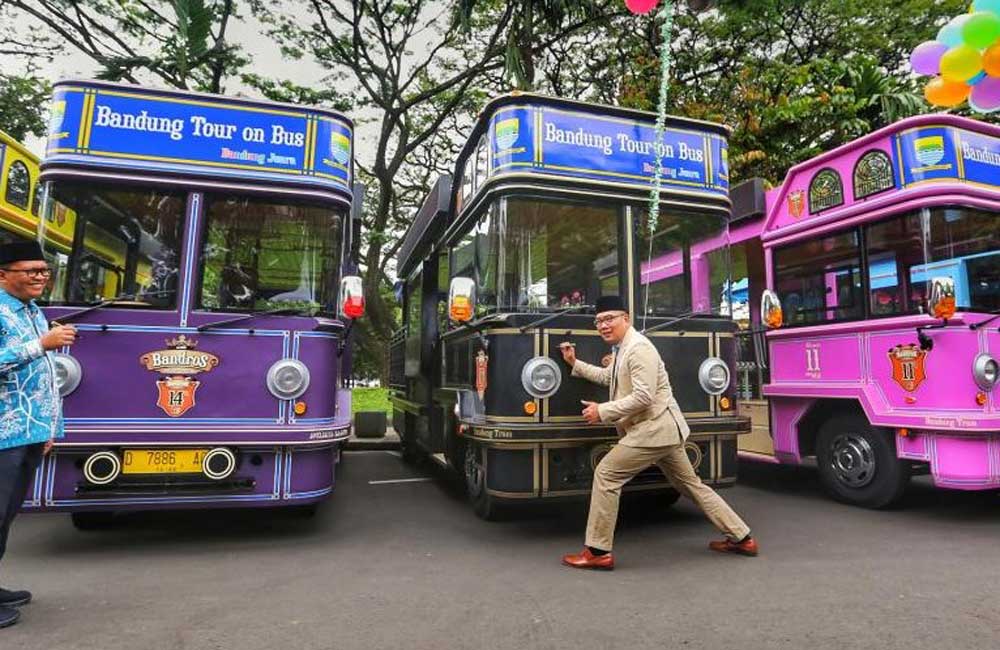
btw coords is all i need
(964, 59)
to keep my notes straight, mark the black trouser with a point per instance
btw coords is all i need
(17, 464)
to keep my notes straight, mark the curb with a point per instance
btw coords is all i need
(388, 442)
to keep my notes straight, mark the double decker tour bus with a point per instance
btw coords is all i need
(877, 267)
(548, 210)
(197, 244)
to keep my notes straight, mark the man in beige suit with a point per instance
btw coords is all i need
(651, 428)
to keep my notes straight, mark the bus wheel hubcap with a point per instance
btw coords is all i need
(852, 460)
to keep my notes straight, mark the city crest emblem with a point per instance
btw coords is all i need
(57, 113)
(796, 203)
(507, 132)
(340, 147)
(929, 149)
(178, 363)
(908, 365)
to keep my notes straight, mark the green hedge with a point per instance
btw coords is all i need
(371, 399)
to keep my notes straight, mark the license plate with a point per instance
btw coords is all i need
(162, 461)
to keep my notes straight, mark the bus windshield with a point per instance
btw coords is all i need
(262, 254)
(907, 252)
(531, 254)
(106, 241)
(684, 266)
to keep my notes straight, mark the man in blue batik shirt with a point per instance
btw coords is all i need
(30, 406)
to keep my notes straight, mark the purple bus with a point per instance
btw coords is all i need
(877, 268)
(198, 244)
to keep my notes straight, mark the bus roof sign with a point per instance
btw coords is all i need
(121, 126)
(538, 136)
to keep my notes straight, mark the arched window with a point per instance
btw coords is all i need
(873, 174)
(18, 185)
(825, 191)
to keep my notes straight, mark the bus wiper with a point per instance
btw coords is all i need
(545, 319)
(101, 304)
(253, 314)
(685, 316)
(976, 326)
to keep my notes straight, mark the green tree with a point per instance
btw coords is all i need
(178, 43)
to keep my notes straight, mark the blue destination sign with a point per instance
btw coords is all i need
(117, 126)
(948, 153)
(582, 145)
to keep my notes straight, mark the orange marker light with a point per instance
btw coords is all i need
(724, 403)
(981, 398)
(945, 308)
(530, 408)
(300, 408)
(775, 318)
(461, 309)
(904, 433)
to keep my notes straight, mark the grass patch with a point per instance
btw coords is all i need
(370, 399)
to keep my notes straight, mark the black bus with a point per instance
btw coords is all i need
(548, 209)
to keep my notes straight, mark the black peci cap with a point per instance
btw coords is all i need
(610, 303)
(21, 251)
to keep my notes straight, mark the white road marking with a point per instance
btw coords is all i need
(401, 480)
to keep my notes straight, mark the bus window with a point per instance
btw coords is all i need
(260, 254)
(907, 251)
(18, 185)
(820, 280)
(675, 279)
(543, 254)
(414, 329)
(105, 241)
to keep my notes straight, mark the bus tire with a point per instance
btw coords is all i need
(483, 504)
(408, 448)
(92, 520)
(857, 463)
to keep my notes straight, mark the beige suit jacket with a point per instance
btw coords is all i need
(642, 405)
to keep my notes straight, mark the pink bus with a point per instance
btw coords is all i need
(877, 270)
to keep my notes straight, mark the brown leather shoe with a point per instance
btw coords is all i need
(587, 560)
(746, 547)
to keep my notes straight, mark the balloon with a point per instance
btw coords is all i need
(987, 5)
(979, 77)
(961, 63)
(985, 97)
(981, 29)
(926, 57)
(951, 34)
(641, 6)
(942, 92)
(991, 61)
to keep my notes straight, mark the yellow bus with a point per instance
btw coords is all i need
(103, 263)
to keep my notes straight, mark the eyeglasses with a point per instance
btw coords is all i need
(31, 273)
(607, 320)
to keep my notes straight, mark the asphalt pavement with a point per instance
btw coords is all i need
(397, 560)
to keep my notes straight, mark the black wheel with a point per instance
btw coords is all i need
(408, 441)
(857, 463)
(92, 520)
(484, 505)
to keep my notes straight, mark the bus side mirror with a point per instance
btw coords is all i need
(770, 309)
(461, 298)
(352, 297)
(942, 300)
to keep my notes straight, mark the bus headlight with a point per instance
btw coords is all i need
(985, 370)
(541, 377)
(68, 373)
(288, 379)
(713, 375)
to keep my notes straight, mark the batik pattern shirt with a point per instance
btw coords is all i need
(30, 406)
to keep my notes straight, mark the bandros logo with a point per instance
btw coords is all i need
(57, 113)
(929, 149)
(507, 132)
(340, 148)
